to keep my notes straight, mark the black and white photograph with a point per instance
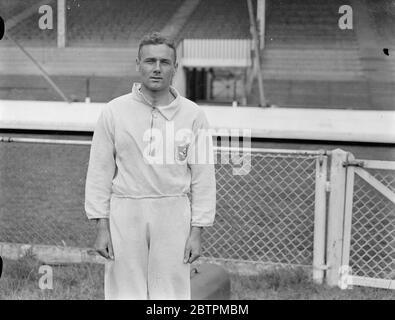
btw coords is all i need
(209, 152)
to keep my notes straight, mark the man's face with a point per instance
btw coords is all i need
(156, 66)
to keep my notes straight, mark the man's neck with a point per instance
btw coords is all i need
(157, 98)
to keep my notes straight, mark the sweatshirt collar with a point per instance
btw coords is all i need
(167, 111)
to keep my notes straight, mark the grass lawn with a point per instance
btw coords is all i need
(85, 282)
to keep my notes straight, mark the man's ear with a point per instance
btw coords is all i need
(175, 68)
(137, 64)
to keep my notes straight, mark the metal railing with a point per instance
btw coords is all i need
(217, 52)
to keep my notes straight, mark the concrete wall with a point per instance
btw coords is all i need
(281, 123)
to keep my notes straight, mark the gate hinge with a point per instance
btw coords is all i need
(321, 160)
(353, 163)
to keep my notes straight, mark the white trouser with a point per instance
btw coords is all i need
(148, 237)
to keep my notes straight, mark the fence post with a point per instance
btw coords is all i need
(320, 219)
(345, 281)
(336, 216)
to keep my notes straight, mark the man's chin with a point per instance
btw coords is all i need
(155, 86)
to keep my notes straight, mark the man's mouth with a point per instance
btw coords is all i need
(156, 78)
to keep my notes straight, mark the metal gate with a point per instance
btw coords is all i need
(368, 253)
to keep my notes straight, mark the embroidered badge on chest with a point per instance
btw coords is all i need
(182, 151)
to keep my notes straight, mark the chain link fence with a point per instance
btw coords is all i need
(263, 215)
(266, 215)
(42, 195)
(265, 210)
(372, 251)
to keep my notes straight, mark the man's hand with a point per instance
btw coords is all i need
(193, 245)
(103, 244)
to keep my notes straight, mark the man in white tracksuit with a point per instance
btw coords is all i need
(151, 148)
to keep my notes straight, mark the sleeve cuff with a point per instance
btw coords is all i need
(201, 225)
(90, 217)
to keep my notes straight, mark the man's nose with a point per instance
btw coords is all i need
(157, 66)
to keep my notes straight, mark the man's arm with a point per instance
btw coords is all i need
(203, 186)
(98, 185)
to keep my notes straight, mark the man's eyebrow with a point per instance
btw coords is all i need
(161, 59)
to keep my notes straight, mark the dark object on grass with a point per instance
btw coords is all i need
(1, 266)
(209, 282)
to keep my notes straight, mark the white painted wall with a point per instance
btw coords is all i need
(281, 123)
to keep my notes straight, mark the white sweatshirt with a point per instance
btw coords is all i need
(139, 151)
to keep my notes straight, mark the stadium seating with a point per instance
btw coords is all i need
(317, 94)
(97, 22)
(304, 46)
(9, 8)
(311, 23)
(376, 33)
(116, 21)
(218, 19)
(383, 14)
(308, 60)
(34, 87)
(304, 42)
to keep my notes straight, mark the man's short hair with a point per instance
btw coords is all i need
(156, 38)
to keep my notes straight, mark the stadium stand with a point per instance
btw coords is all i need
(316, 94)
(375, 25)
(307, 61)
(10, 8)
(304, 24)
(28, 32)
(304, 42)
(382, 22)
(103, 22)
(383, 14)
(96, 22)
(218, 19)
(34, 87)
(91, 23)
